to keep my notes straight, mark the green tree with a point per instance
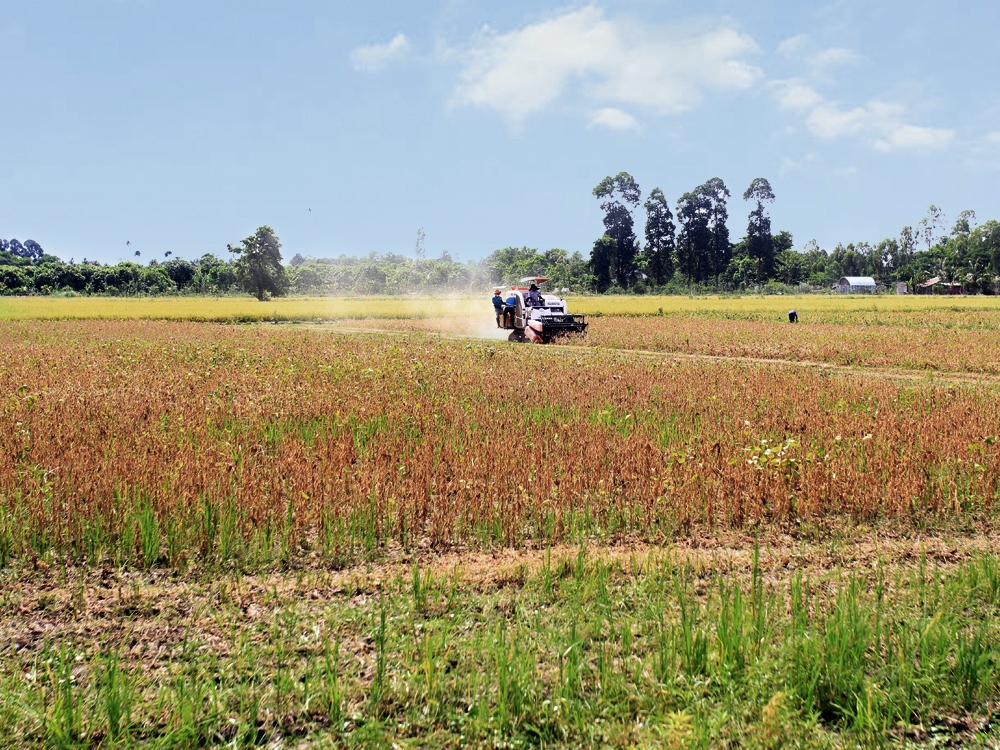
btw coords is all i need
(180, 271)
(720, 248)
(602, 261)
(14, 280)
(760, 246)
(620, 195)
(259, 267)
(963, 224)
(985, 241)
(932, 225)
(659, 237)
(695, 238)
(792, 267)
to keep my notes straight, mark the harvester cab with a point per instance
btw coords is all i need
(540, 318)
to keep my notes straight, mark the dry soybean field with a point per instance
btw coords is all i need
(699, 526)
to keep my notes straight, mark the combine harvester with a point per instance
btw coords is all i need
(544, 322)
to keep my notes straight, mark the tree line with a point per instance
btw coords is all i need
(255, 268)
(684, 250)
(692, 247)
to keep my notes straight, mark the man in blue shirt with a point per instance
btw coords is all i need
(497, 305)
(534, 297)
(508, 311)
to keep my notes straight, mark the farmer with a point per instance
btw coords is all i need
(497, 305)
(508, 311)
(533, 297)
(793, 317)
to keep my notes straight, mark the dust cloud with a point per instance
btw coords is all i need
(446, 315)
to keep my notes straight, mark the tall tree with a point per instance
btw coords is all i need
(963, 224)
(888, 253)
(760, 246)
(259, 267)
(619, 196)
(907, 246)
(418, 249)
(695, 238)
(602, 261)
(720, 248)
(931, 225)
(659, 237)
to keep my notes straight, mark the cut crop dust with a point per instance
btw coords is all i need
(392, 526)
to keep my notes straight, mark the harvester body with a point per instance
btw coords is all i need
(542, 322)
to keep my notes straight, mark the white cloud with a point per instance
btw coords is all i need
(834, 56)
(609, 61)
(374, 57)
(613, 119)
(882, 124)
(828, 121)
(993, 138)
(831, 57)
(915, 138)
(796, 95)
(793, 45)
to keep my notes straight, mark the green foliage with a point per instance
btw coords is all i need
(393, 274)
(619, 196)
(259, 267)
(759, 243)
(693, 255)
(663, 649)
(602, 261)
(659, 251)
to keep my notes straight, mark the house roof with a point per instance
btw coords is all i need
(858, 280)
(930, 282)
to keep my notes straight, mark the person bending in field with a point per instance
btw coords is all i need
(793, 317)
(497, 305)
(508, 311)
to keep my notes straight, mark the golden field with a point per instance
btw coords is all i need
(811, 308)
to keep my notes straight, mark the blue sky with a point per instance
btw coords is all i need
(181, 126)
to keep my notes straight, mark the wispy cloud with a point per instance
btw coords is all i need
(800, 47)
(793, 45)
(613, 119)
(882, 124)
(375, 57)
(832, 57)
(603, 60)
(915, 138)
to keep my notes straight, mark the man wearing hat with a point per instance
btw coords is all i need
(497, 305)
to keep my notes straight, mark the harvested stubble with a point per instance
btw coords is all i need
(927, 347)
(930, 346)
(162, 441)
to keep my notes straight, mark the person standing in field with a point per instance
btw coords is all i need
(508, 311)
(497, 305)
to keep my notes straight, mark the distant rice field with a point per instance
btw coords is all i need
(811, 308)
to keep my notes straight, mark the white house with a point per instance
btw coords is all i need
(856, 285)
